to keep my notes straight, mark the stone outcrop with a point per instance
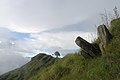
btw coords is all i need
(87, 49)
(86, 54)
(104, 36)
(57, 54)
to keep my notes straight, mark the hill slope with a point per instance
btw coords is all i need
(74, 66)
(30, 69)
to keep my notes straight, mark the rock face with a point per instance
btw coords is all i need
(88, 50)
(83, 44)
(57, 54)
(104, 36)
(86, 54)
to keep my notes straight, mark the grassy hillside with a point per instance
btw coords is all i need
(74, 66)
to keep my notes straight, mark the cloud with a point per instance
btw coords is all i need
(10, 52)
(10, 61)
(89, 25)
(63, 40)
(32, 16)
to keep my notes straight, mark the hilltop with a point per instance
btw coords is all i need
(30, 69)
(74, 66)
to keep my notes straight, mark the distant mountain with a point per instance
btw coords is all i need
(36, 64)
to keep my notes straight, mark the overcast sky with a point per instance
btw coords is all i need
(28, 27)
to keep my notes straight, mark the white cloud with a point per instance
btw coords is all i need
(10, 60)
(40, 15)
(34, 16)
(10, 53)
(64, 40)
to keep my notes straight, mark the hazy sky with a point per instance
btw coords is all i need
(28, 27)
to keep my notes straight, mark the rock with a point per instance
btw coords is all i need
(101, 48)
(85, 54)
(96, 49)
(83, 44)
(57, 54)
(92, 50)
(104, 36)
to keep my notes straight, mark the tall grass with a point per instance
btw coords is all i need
(75, 67)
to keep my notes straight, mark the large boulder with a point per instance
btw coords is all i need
(86, 54)
(91, 50)
(83, 44)
(104, 36)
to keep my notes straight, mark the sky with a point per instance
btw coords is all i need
(29, 27)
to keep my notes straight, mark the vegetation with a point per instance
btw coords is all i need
(74, 66)
(32, 68)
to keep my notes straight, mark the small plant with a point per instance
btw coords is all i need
(116, 14)
(104, 18)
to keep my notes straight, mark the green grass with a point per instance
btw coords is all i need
(32, 68)
(75, 67)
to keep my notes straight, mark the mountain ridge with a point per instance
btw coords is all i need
(38, 62)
